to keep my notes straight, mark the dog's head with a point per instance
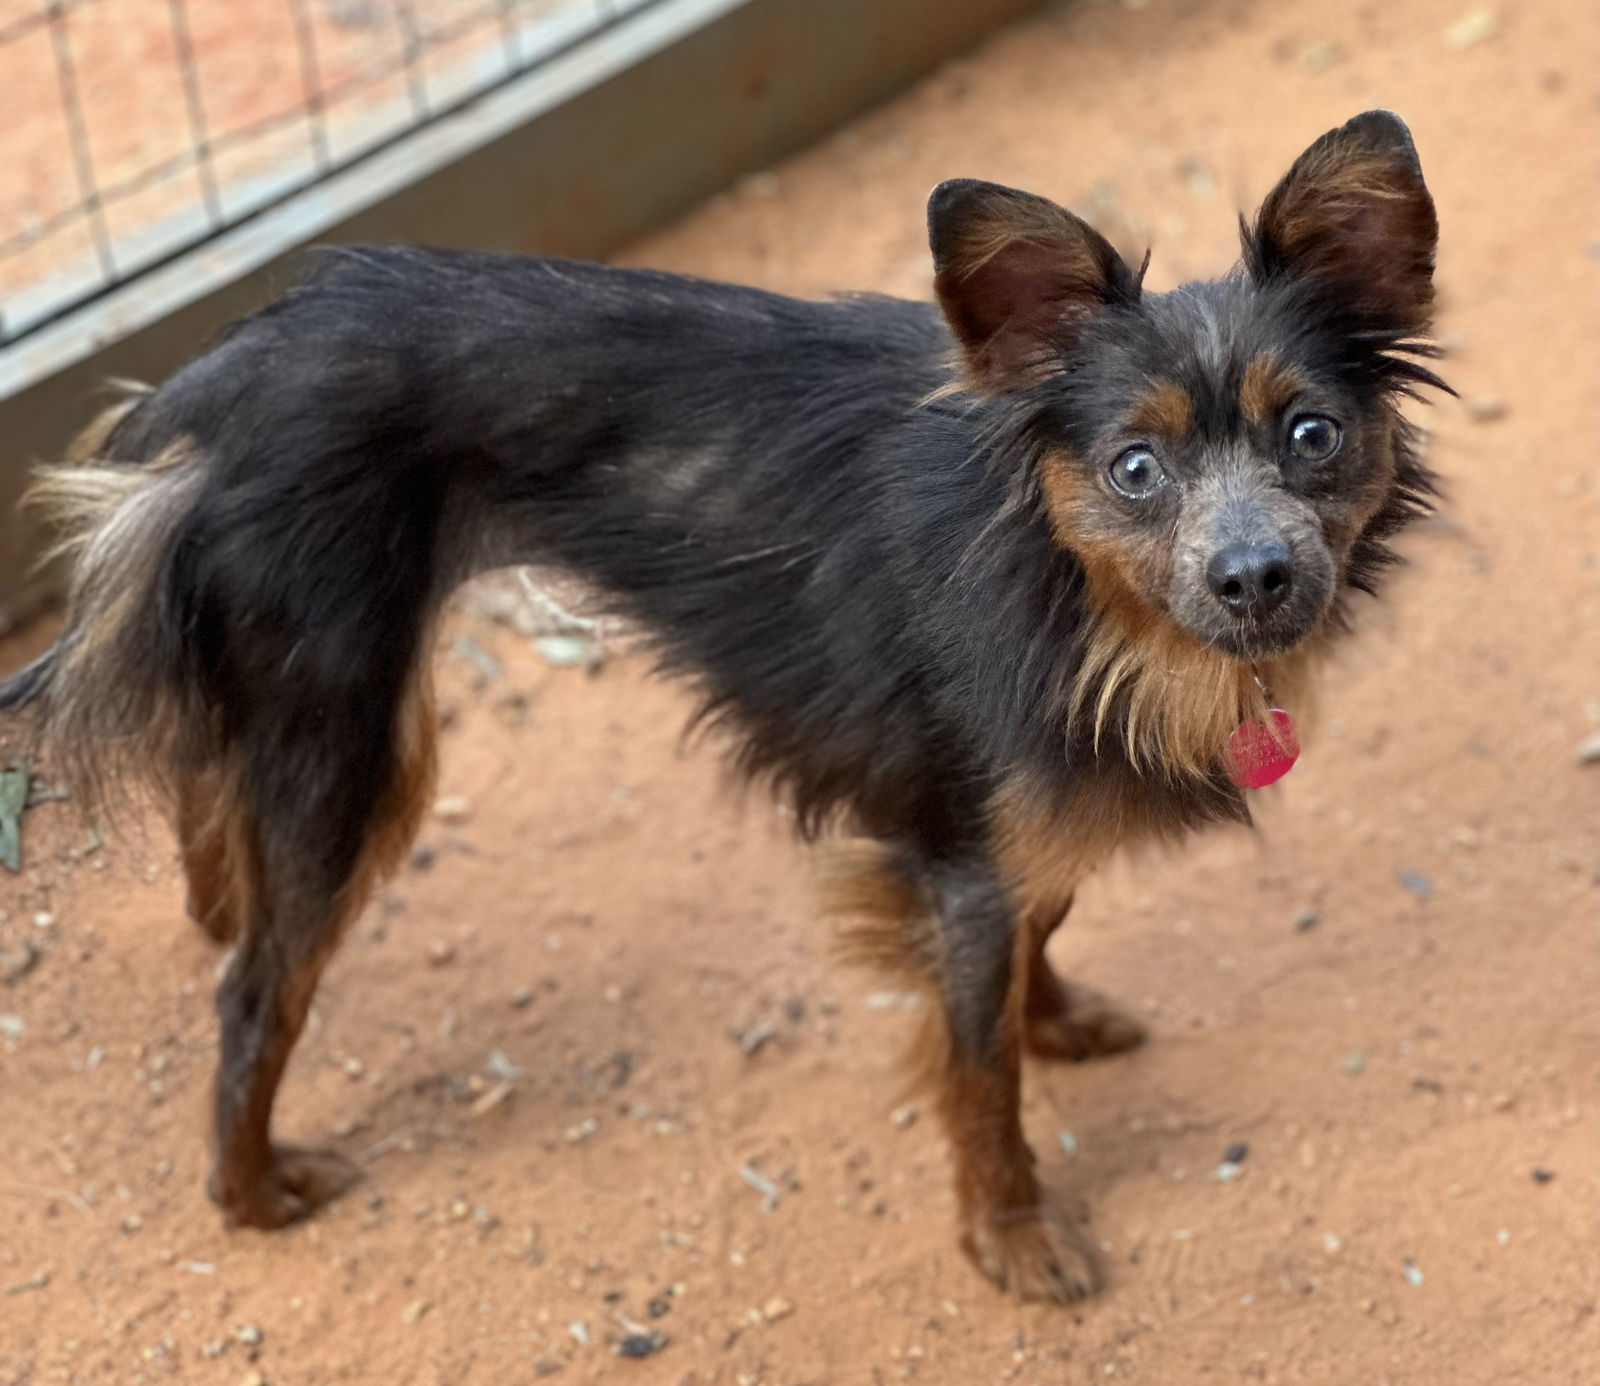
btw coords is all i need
(1228, 456)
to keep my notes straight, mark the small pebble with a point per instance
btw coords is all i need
(1306, 920)
(521, 997)
(1588, 751)
(452, 808)
(249, 1334)
(1416, 882)
(1237, 1153)
(904, 1117)
(441, 952)
(1543, 1176)
(1474, 27)
(1319, 57)
(777, 1308)
(415, 1310)
(1409, 1269)
(1486, 408)
(1069, 1142)
(640, 1345)
(1356, 1062)
(1332, 1243)
(422, 858)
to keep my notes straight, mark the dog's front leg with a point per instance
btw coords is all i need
(1008, 1226)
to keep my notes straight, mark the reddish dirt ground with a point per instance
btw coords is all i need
(604, 921)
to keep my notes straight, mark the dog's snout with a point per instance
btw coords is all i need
(1250, 580)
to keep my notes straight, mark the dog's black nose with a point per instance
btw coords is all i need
(1250, 579)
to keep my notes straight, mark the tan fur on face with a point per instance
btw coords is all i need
(1163, 411)
(1268, 388)
(1176, 700)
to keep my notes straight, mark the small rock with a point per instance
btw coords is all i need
(659, 1307)
(422, 858)
(777, 1308)
(1319, 57)
(1355, 1062)
(1416, 882)
(1543, 1176)
(1409, 1269)
(640, 1345)
(1237, 1153)
(44, 920)
(353, 1068)
(415, 1310)
(253, 1378)
(1486, 408)
(580, 1332)
(452, 808)
(441, 953)
(1228, 1171)
(501, 1066)
(521, 997)
(1588, 752)
(1068, 1141)
(1306, 920)
(904, 1117)
(1332, 1243)
(249, 1334)
(1474, 27)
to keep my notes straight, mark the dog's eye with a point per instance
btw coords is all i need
(1314, 438)
(1137, 475)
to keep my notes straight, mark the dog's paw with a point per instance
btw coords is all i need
(1086, 1025)
(1033, 1253)
(293, 1186)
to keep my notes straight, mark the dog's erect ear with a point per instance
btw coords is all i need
(1354, 219)
(1016, 276)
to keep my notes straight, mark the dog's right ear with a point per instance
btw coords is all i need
(1017, 277)
(1353, 220)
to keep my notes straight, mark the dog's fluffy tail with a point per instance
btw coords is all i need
(107, 702)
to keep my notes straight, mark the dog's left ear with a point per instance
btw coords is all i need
(1353, 219)
(1018, 277)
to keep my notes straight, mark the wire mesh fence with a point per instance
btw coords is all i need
(133, 131)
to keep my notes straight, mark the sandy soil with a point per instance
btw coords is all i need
(534, 1040)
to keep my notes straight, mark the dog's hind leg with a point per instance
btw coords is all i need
(1064, 1019)
(213, 854)
(330, 795)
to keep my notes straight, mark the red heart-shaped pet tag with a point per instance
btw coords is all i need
(1258, 755)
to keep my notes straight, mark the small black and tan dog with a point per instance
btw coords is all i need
(992, 584)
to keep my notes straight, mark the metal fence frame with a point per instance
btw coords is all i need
(613, 138)
(519, 46)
